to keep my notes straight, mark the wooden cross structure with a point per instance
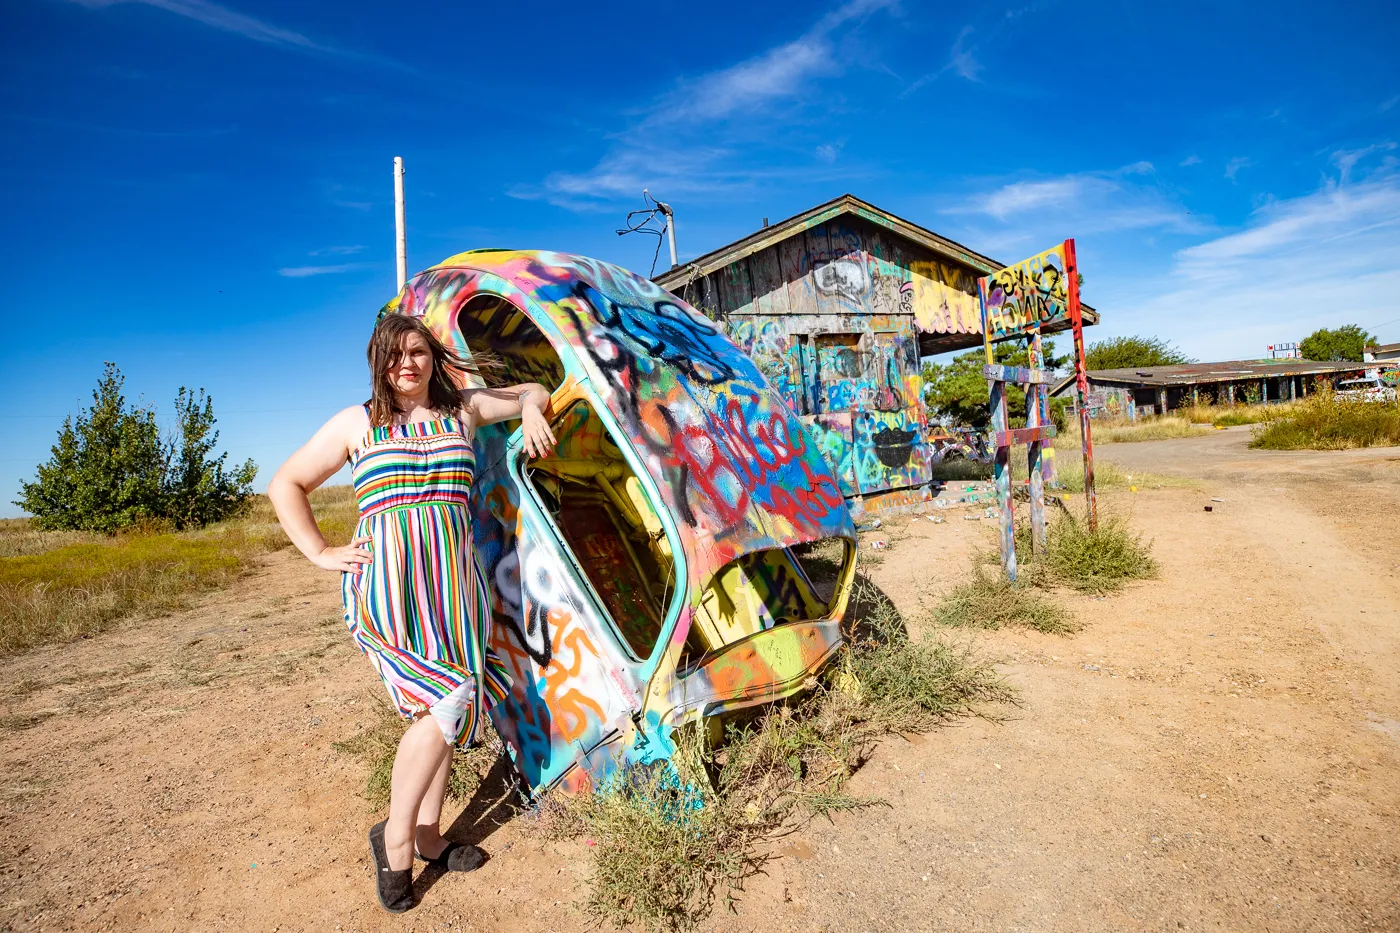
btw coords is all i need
(1017, 302)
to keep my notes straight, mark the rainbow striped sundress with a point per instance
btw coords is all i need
(420, 609)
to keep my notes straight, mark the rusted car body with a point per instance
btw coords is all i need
(643, 574)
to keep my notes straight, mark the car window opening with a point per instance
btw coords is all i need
(604, 516)
(763, 589)
(494, 328)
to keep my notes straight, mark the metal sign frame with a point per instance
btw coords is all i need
(1016, 303)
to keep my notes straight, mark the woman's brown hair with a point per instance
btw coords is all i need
(386, 347)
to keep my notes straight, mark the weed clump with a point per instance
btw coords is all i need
(1329, 422)
(1098, 560)
(992, 602)
(664, 849)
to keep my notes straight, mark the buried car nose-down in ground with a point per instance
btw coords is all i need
(643, 573)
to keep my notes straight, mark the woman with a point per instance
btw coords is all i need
(415, 598)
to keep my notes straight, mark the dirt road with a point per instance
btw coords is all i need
(1218, 750)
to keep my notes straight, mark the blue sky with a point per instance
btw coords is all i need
(202, 193)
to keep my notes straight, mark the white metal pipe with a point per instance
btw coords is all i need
(400, 231)
(671, 236)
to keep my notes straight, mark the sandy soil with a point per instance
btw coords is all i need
(1218, 750)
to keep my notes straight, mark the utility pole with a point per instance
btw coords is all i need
(670, 216)
(400, 231)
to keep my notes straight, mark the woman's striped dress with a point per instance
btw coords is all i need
(420, 609)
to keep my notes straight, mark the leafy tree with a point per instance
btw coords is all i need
(958, 390)
(198, 489)
(106, 470)
(1132, 353)
(109, 468)
(1338, 344)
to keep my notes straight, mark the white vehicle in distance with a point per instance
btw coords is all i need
(1370, 389)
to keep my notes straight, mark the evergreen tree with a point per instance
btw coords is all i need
(106, 470)
(109, 468)
(198, 490)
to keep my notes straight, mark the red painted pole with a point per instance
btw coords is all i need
(1081, 381)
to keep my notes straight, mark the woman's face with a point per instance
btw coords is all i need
(410, 373)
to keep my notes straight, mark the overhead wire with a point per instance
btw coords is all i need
(641, 227)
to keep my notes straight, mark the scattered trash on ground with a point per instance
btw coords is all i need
(879, 545)
(1210, 508)
(868, 526)
(1213, 499)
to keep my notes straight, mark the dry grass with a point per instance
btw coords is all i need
(990, 601)
(1228, 416)
(376, 744)
(1165, 427)
(62, 585)
(1329, 422)
(669, 843)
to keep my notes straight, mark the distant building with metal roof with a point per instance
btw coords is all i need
(1386, 352)
(1159, 389)
(837, 305)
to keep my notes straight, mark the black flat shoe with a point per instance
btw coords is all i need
(395, 888)
(455, 857)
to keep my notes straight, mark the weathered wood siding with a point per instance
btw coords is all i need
(832, 316)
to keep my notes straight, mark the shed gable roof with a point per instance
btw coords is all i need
(846, 204)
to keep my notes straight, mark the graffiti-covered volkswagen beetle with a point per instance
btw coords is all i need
(643, 572)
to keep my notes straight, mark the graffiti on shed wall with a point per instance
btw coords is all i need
(774, 353)
(1109, 402)
(837, 445)
(890, 450)
(938, 305)
(831, 316)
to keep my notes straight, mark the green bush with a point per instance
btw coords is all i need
(1327, 422)
(110, 469)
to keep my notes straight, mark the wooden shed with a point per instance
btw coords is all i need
(836, 306)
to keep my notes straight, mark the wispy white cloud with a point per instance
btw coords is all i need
(1232, 168)
(1192, 159)
(1346, 159)
(226, 19)
(301, 272)
(919, 83)
(1319, 260)
(779, 73)
(336, 251)
(961, 59)
(687, 141)
(1127, 198)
